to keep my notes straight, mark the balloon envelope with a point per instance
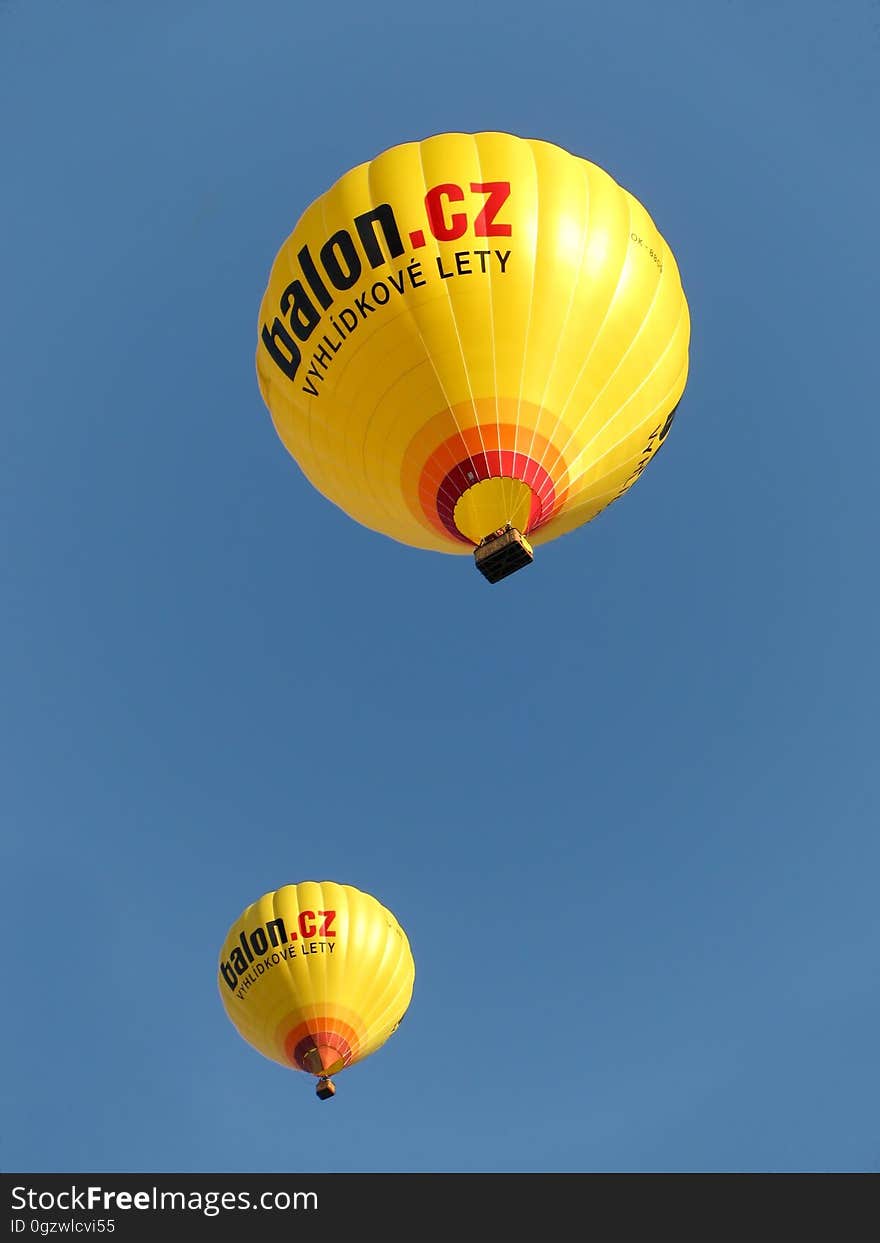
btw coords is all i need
(316, 976)
(473, 331)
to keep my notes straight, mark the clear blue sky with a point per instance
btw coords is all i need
(624, 803)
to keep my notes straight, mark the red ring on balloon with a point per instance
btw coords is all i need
(495, 464)
(325, 1039)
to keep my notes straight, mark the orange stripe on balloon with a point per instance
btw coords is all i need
(473, 430)
(318, 1032)
(494, 451)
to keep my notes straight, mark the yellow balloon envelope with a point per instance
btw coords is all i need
(316, 976)
(473, 333)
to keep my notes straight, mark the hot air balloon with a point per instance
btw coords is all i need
(475, 342)
(316, 976)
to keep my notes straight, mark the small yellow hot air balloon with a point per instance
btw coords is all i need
(474, 343)
(316, 976)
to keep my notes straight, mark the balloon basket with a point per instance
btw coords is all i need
(325, 1089)
(502, 553)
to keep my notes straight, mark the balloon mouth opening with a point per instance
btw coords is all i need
(495, 468)
(490, 506)
(323, 1061)
(322, 1054)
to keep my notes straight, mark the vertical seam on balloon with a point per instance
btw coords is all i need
(636, 390)
(550, 440)
(376, 995)
(288, 966)
(537, 229)
(378, 497)
(658, 410)
(601, 328)
(388, 999)
(662, 407)
(391, 1013)
(619, 364)
(491, 305)
(344, 896)
(447, 291)
(427, 353)
(596, 336)
(627, 198)
(322, 905)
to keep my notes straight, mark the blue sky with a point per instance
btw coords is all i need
(624, 803)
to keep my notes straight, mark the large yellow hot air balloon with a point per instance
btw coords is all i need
(474, 342)
(316, 976)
